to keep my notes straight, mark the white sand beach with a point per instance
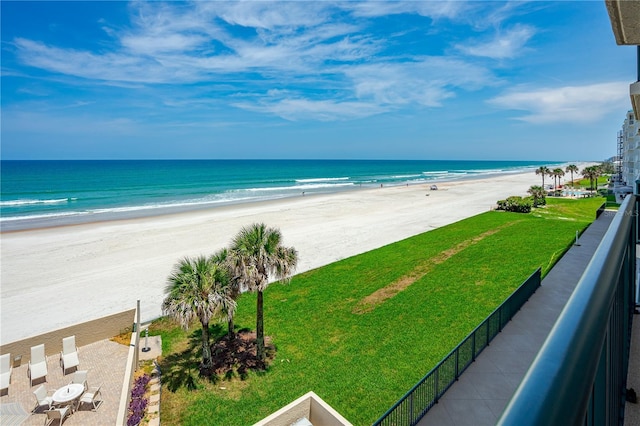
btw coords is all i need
(52, 278)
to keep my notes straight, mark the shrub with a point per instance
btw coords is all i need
(516, 204)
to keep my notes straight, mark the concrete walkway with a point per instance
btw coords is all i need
(484, 389)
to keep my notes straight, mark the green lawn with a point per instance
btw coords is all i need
(586, 183)
(362, 363)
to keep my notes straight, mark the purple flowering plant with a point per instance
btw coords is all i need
(138, 403)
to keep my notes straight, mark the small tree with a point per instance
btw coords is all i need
(592, 173)
(542, 170)
(557, 174)
(572, 168)
(538, 194)
(198, 288)
(607, 168)
(256, 253)
(234, 289)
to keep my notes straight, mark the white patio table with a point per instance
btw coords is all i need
(68, 394)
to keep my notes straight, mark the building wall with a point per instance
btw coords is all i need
(86, 333)
(631, 149)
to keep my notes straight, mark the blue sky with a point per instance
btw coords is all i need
(356, 80)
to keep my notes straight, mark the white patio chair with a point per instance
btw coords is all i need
(91, 397)
(5, 372)
(57, 414)
(80, 378)
(37, 364)
(42, 399)
(69, 355)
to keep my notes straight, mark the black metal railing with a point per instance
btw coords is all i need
(579, 375)
(415, 403)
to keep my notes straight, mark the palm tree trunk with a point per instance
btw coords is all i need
(207, 362)
(231, 327)
(260, 328)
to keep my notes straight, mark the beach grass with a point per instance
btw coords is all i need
(337, 333)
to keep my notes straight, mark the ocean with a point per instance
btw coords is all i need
(38, 194)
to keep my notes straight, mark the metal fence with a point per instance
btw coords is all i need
(415, 403)
(579, 375)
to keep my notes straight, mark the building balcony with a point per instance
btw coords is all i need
(625, 22)
(634, 92)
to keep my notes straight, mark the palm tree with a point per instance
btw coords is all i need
(558, 173)
(552, 174)
(591, 173)
(538, 194)
(572, 168)
(198, 288)
(256, 253)
(234, 288)
(542, 170)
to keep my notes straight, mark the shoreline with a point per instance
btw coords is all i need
(7, 226)
(56, 277)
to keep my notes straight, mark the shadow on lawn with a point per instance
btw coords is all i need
(181, 369)
(231, 358)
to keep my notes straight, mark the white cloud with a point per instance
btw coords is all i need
(60, 123)
(432, 9)
(175, 45)
(105, 67)
(263, 14)
(494, 14)
(427, 81)
(377, 88)
(570, 104)
(327, 56)
(506, 44)
(294, 109)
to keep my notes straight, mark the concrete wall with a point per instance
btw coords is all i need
(127, 384)
(86, 333)
(309, 406)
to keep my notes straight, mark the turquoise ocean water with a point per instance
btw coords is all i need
(50, 193)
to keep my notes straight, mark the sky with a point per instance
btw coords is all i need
(477, 80)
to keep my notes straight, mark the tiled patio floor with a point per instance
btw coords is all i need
(105, 361)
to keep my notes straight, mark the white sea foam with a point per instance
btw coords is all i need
(404, 176)
(295, 188)
(322, 179)
(26, 202)
(129, 209)
(43, 216)
(486, 171)
(231, 196)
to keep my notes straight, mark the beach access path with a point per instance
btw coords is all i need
(56, 277)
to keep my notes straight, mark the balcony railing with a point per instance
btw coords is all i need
(579, 375)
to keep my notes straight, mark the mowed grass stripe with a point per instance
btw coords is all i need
(421, 269)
